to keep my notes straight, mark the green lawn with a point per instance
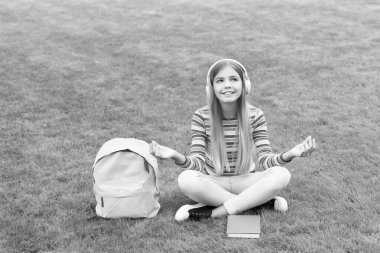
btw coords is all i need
(74, 74)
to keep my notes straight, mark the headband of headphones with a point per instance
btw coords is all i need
(246, 81)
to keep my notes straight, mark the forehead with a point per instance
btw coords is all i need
(226, 72)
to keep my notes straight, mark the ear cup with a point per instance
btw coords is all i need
(208, 89)
(247, 85)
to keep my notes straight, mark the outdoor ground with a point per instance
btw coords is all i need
(76, 73)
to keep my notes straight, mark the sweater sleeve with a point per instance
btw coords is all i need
(196, 159)
(265, 155)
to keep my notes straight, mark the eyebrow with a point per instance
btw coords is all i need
(221, 77)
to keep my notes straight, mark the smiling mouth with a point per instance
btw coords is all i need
(228, 93)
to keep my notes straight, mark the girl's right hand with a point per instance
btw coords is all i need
(161, 151)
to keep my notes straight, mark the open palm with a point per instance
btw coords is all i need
(305, 148)
(160, 151)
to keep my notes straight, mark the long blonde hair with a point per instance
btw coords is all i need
(218, 145)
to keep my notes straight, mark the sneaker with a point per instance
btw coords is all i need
(280, 204)
(193, 212)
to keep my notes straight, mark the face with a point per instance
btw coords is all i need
(227, 85)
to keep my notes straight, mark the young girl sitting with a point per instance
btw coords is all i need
(226, 135)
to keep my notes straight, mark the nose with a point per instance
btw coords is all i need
(227, 84)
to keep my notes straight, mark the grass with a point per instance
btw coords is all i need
(74, 74)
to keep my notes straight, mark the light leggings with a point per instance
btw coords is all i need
(236, 193)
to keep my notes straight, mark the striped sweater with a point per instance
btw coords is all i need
(200, 155)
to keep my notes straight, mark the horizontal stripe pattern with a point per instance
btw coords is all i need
(200, 155)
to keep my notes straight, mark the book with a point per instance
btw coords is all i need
(243, 226)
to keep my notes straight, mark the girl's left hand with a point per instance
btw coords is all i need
(305, 148)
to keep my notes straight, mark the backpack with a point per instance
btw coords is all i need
(125, 180)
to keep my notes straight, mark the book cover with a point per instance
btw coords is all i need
(244, 226)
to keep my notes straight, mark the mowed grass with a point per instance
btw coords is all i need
(74, 74)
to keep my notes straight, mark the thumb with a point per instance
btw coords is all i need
(153, 148)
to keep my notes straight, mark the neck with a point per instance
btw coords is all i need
(229, 110)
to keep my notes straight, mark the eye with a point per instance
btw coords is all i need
(219, 81)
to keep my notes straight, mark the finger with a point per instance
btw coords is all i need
(154, 148)
(154, 144)
(304, 148)
(157, 149)
(150, 148)
(309, 149)
(313, 146)
(309, 140)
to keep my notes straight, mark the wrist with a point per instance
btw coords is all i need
(287, 156)
(178, 158)
(174, 155)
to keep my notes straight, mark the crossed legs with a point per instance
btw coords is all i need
(231, 195)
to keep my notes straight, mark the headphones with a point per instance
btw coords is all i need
(247, 82)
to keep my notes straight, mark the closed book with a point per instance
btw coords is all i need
(244, 226)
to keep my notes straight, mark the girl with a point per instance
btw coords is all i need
(226, 135)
